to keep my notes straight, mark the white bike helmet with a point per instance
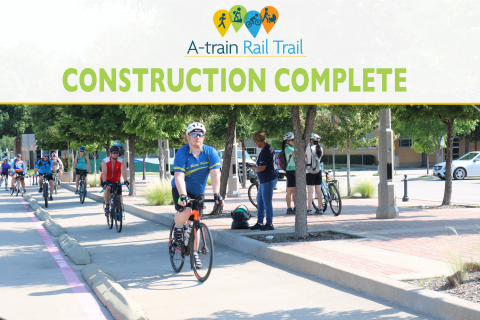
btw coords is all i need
(196, 126)
(288, 136)
(315, 137)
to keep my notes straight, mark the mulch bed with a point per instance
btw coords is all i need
(313, 236)
(469, 290)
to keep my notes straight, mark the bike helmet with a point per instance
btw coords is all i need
(19, 155)
(81, 149)
(44, 153)
(288, 136)
(114, 148)
(5, 159)
(196, 126)
(315, 137)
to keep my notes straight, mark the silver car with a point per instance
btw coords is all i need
(466, 166)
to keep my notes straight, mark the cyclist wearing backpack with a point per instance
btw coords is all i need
(45, 166)
(314, 154)
(18, 168)
(289, 154)
(81, 165)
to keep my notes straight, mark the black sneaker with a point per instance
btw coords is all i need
(178, 234)
(267, 227)
(51, 198)
(257, 226)
(40, 190)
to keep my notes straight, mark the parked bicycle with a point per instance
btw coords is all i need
(17, 185)
(331, 195)
(82, 187)
(196, 238)
(116, 207)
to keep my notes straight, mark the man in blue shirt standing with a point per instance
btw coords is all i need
(193, 163)
(45, 166)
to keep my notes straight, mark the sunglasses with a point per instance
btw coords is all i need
(197, 135)
(115, 152)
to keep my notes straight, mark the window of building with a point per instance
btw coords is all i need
(405, 143)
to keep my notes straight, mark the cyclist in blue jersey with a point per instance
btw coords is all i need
(45, 166)
(193, 163)
(5, 170)
(18, 168)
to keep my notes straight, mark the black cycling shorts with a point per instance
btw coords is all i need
(80, 172)
(119, 188)
(176, 196)
(290, 178)
(314, 179)
(48, 176)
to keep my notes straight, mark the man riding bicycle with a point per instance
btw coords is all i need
(81, 165)
(18, 168)
(57, 162)
(193, 163)
(5, 170)
(112, 168)
(45, 166)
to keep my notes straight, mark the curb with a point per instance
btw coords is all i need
(34, 204)
(74, 250)
(113, 296)
(53, 227)
(42, 214)
(403, 294)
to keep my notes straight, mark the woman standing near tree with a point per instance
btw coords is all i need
(289, 149)
(266, 169)
(314, 180)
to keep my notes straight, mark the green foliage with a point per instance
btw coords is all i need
(7, 142)
(94, 181)
(159, 193)
(14, 120)
(368, 159)
(365, 187)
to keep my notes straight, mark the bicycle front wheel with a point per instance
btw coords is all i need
(110, 217)
(336, 202)
(18, 189)
(175, 251)
(45, 194)
(252, 194)
(55, 185)
(82, 192)
(204, 246)
(118, 216)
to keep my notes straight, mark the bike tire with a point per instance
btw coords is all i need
(176, 253)
(55, 185)
(248, 24)
(252, 194)
(257, 22)
(82, 192)
(205, 252)
(314, 205)
(118, 217)
(45, 194)
(18, 189)
(336, 202)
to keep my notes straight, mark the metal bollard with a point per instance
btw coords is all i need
(405, 190)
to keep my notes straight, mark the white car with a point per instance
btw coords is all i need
(466, 166)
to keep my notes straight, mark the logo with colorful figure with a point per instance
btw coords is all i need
(239, 16)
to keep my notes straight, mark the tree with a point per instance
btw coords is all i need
(14, 119)
(349, 132)
(302, 139)
(448, 116)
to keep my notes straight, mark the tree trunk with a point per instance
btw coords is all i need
(131, 161)
(161, 159)
(438, 151)
(301, 142)
(244, 166)
(467, 144)
(227, 158)
(428, 164)
(107, 148)
(447, 196)
(166, 174)
(424, 160)
(349, 189)
(143, 166)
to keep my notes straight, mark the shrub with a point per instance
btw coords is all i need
(366, 187)
(92, 182)
(159, 193)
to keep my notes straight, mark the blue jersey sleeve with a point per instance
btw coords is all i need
(36, 164)
(214, 162)
(180, 161)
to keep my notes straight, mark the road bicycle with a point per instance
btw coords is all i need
(331, 195)
(55, 182)
(116, 207)
(82, 187)
(45, 188)
(196, 238)
(17, 185)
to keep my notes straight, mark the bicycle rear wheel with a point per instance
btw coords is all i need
(336, 202)
(205, 252)
(118, 216)
(175, 251)
(252, 194)
(82, 191)
(45, 193)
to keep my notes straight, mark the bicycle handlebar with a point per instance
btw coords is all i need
(196, 200)
(111, 184)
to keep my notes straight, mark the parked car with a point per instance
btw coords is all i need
(251, 175)
(466, 166)
(281, 173)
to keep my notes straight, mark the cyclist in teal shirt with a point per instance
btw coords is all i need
(45, 166)
(193, 163)
(81, 165)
